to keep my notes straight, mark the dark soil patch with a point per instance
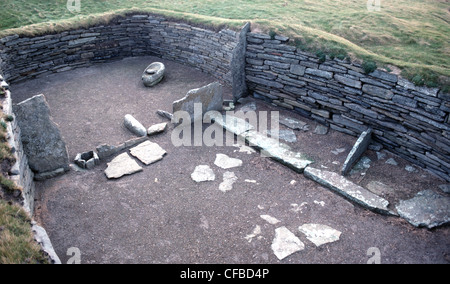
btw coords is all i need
(162, 216)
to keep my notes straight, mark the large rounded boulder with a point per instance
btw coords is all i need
(153, 74)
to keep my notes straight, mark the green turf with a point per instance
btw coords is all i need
(411, 34)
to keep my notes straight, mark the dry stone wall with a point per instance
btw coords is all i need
(22, 58)
(410, 121)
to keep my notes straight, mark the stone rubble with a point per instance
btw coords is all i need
(320, 234)
(269, 219)
(203, 173)
(156, 129)
(229, 178)
(286, 243)
(225, 162)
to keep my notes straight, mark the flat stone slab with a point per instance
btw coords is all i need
(231, 123)
(293, 123)
(277, 151)
(270, 147)
(287, 135)
(134, 126)
(122, 165)
(349, 190)
(210, 97)
(427, 209)
(203, 173)
(225, 162)
(286, 243)
(321, 130)
(229, 178)
(42, 140)
(320, 234)
(156, 129)
(148, 152)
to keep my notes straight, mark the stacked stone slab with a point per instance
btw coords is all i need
(410, 121)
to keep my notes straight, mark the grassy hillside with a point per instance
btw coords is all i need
(411, 34)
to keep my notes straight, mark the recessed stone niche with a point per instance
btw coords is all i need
(87, 160)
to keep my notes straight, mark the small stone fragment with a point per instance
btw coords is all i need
(229, 178)
(320, 234)
(203, 173)
(286, 243)
(225, 162)
(391, 161)
(157, 128)
(269, 219)
(321, 130)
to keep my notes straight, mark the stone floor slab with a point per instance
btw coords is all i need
(122, 165)
(427, 209)
(148, 152)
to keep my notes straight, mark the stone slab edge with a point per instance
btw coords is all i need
(349, 190)
(280, 152)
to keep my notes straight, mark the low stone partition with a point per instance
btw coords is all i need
(22, 57)
(410, 121)
(20, 172)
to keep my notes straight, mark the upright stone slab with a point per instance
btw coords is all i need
(210, 97)
(358, 149)
(42, 140)
(238, 65)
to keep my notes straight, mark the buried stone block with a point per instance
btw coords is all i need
(358, 149)
(87, 160)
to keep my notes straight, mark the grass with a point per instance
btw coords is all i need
(410, 34)
(17, 245)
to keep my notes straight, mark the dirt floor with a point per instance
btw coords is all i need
(161, 215)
